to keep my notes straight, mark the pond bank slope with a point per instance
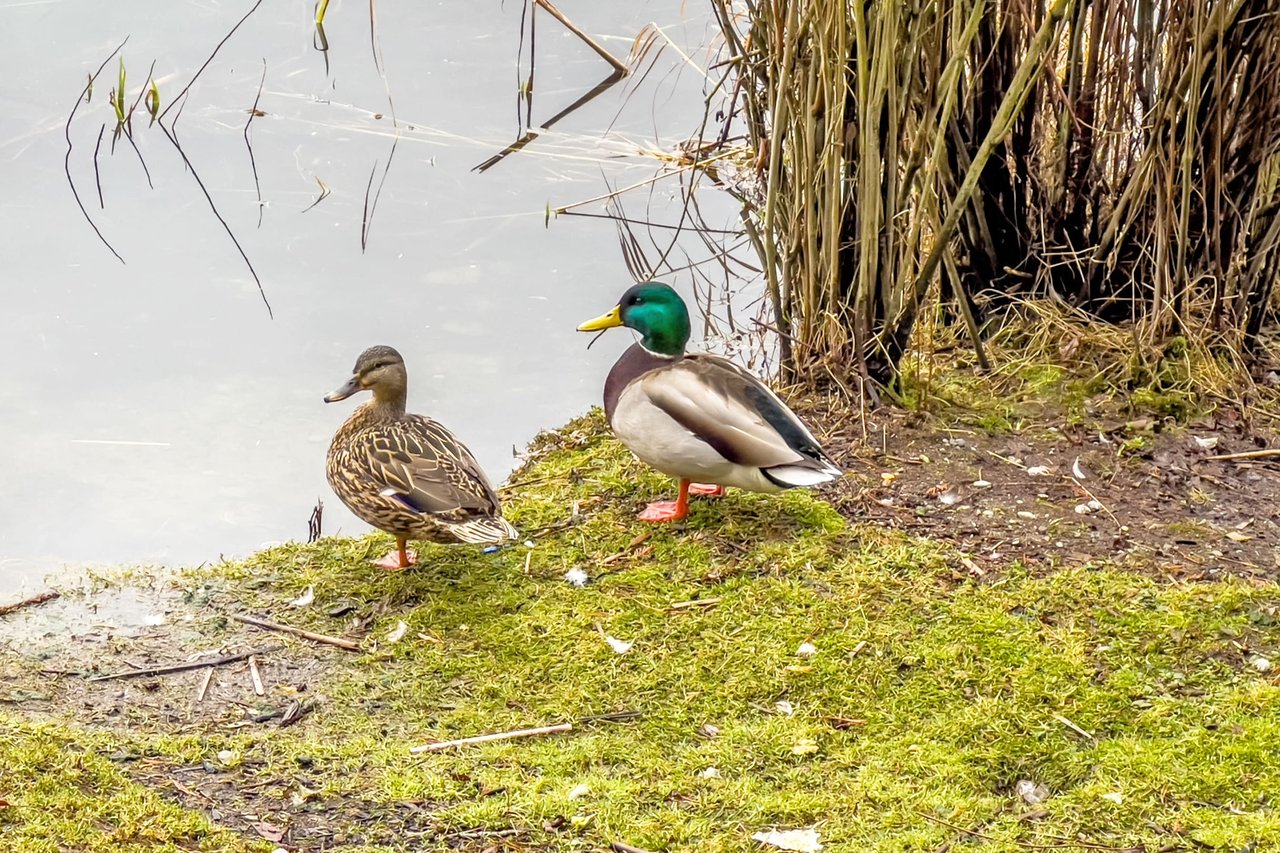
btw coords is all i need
(768, 666)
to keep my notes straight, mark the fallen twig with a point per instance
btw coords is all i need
(472, 834)
(634, 544)
(288, 714)
(204, 685)
(350, 645)
(516, 733)
(974, 568)
(620, 847)
(1084, 734)
(296, 711)
(1266, 453)
(1082, 487)
(38, 598)
(184, 667)
(256, 677)
(1026, 845)
(612, 717)
(697, 602)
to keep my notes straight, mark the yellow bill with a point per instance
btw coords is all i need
(604, 321)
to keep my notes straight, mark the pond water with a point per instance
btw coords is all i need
(152, 411)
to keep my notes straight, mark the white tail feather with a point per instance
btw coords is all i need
(484, 531)
(803, 475)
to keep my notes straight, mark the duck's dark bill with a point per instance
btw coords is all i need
(352, 386)
(604, 321)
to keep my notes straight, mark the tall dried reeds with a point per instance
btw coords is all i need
(1120, 155)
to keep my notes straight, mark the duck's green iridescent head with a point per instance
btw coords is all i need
(655, 311)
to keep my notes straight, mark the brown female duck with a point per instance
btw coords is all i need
(406, 474)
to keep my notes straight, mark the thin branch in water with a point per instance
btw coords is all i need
(373, 36)
(379, 64)
(66, 162)
(524, 86)
(324, 193)
(633, 255)
(141, 94)
(529, 135)
(223, 222)
(614, 193)
(369, 209)
(618, 217)
(97, 175)
(129, 124)
(254, 112)
(618, 64)
(364, 215)
(514, 147)
(173, 125)
(201, 69)
(320, 42)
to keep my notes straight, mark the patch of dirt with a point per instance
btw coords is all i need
(1138, 491)
(290, 811)
(55, 654)
(52, 659)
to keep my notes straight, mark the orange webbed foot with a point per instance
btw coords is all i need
(706, 490)
(662, 511)
(392, 562)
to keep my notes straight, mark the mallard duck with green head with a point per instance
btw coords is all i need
(698, 417)
(406, 474)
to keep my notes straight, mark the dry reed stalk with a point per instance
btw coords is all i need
(1122, 156)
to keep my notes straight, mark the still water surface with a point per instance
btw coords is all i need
(152, 411)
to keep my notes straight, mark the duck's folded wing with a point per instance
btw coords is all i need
(732, 410)
(423, 467)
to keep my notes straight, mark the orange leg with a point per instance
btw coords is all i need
(399, 559)
(660, 511)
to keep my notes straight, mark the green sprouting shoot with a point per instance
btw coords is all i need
(117, 99)
(153, 101)
(320, 10)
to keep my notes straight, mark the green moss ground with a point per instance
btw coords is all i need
(60, 793)
(929, 697)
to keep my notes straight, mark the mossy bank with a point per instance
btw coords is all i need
(785, 668)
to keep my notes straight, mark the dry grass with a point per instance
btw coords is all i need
(1119, 156)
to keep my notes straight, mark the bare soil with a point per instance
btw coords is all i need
(1138, 491)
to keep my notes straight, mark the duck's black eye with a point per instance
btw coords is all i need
(637, 300)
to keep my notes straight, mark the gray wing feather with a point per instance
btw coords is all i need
(730, 409)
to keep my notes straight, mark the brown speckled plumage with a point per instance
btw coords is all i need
(406, 474)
